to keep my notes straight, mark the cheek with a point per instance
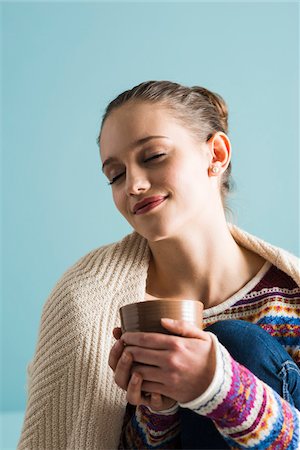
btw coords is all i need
(190, 182)
(119, 200)
(116, 198)
(169, 176)
(183, 176)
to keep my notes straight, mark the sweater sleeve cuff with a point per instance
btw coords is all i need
(215, 384)
(165, 412)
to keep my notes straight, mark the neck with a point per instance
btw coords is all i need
(208, 266)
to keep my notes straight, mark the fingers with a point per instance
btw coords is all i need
(157, 341)
(136, 395)
(162, 341)
(183, 328)
(115, 354)
(148, 356)
(160, 402)
(150, 373)
(117, 332)
(120, 361)
(155, 388)
(134, 390)
(123, 370)
(156, 402)
(141, 392)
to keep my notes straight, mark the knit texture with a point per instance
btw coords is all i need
(72, 396)
(149, 430)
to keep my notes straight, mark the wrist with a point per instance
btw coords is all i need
(215, 383)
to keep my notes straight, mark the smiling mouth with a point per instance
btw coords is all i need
(150, 205)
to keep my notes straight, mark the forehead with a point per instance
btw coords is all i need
(137, 120)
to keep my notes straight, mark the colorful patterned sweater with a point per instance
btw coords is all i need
(247, 412)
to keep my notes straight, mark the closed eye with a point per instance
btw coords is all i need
(115, 178)
(151, 158)
(158, 155)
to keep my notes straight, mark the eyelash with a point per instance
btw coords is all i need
(158, 155)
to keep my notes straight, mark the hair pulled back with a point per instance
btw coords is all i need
(202, 111)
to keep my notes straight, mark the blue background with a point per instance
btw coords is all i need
(61, 64)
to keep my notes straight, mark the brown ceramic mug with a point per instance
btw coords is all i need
(146, 315)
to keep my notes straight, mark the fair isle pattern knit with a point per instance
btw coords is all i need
(251, 414)
(73, 402)
(150, 430)
(274, 305)
(246, 411)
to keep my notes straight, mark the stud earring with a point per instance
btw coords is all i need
(215, 169)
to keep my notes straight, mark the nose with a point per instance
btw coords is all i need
(136, 182)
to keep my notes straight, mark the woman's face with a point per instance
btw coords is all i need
(159, 173)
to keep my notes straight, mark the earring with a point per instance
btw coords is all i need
(215, 169)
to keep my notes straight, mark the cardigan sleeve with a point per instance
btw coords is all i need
(71, 397)
(246, 411)
(73, 402)
(46, 424)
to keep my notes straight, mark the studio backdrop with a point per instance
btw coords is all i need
(61, 64)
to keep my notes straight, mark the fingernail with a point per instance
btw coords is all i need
(166, 319)
(125, 357)
(135, 378)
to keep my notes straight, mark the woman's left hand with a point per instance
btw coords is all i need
(179, 366)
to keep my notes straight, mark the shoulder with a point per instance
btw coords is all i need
(279, 257)
(101, 262)
(90, 279)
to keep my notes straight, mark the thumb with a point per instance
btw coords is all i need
(182, 328)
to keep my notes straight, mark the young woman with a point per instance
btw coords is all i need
(236, 384)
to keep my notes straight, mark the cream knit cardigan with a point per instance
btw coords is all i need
(73, 401)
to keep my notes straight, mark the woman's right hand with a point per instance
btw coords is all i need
(118, 362)
(136, 396)
(126, 378)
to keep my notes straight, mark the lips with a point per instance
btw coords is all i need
(155, 199)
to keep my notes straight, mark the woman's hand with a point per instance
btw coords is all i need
(177, 367)
(136, 396)
(124, 378)
(120, 366)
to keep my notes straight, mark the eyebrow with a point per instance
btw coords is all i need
(134, 144)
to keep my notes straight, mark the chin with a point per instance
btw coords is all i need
(155, 234)
(155, 228)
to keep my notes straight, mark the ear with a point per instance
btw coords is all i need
(220, 153)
